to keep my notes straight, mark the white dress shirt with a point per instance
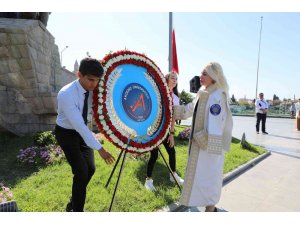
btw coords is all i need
(260, 105)
(70, 100)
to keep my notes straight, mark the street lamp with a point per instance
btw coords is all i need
(61, 54)
(261, 19)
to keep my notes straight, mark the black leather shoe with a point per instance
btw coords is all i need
(69, 207)
(265, 132)
(215, 210)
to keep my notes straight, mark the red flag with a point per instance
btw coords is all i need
(174, 54)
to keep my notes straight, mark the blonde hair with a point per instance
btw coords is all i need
(215, 71)
(175, 89)
(169, 74)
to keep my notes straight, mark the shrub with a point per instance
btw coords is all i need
(45, 138)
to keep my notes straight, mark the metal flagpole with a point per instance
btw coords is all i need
(261, 19)
(170, 39)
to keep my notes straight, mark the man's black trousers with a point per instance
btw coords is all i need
(81, 159)
(261, 117)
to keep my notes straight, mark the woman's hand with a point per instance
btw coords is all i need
(171, 140)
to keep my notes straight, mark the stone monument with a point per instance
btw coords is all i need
(30, 76)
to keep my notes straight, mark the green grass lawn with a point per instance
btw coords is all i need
(49, 189)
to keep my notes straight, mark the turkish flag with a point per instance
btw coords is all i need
(174, 54)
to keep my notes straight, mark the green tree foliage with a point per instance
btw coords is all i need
(185, 97)
(233, 100)
(275, 97)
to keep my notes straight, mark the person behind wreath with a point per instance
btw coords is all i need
(210, 139)
(171, 78)
(293, 110)
(297, 105)
(72, 133)
(261, 113)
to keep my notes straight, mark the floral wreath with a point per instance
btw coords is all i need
(117, 134)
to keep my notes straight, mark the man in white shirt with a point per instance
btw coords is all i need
(261, 113)
(71, 131)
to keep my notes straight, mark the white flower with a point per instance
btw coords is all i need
(108, 64)
(119, 57)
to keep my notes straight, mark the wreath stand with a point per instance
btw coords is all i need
(120, 172)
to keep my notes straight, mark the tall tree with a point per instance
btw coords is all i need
(275, 97)
(233, 100)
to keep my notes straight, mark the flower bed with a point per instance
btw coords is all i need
(45, 152)
(5, 194)
(185, 134)
(40, 156)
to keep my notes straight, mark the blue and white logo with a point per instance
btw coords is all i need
(136, 102)
(215, 109)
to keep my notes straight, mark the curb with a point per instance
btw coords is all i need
(175, 207)
(241, 169)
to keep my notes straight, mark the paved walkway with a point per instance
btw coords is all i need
(283, 136)
(272, 185)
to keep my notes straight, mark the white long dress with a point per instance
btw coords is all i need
(204, 172)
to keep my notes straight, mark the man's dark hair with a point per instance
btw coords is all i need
(91, 66)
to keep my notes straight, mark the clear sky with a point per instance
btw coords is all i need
(232, 39)
(215, 30)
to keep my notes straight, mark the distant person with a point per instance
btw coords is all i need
(293, 110)
(297, 105)
(169, 143)
(178, 122)
(209, 140)
(72, 133)
(261, 113)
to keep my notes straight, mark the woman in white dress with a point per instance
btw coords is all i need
(210, 139)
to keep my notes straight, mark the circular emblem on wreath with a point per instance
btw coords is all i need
(132, 104)
(136, 102)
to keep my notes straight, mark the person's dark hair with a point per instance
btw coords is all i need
(91, 66)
